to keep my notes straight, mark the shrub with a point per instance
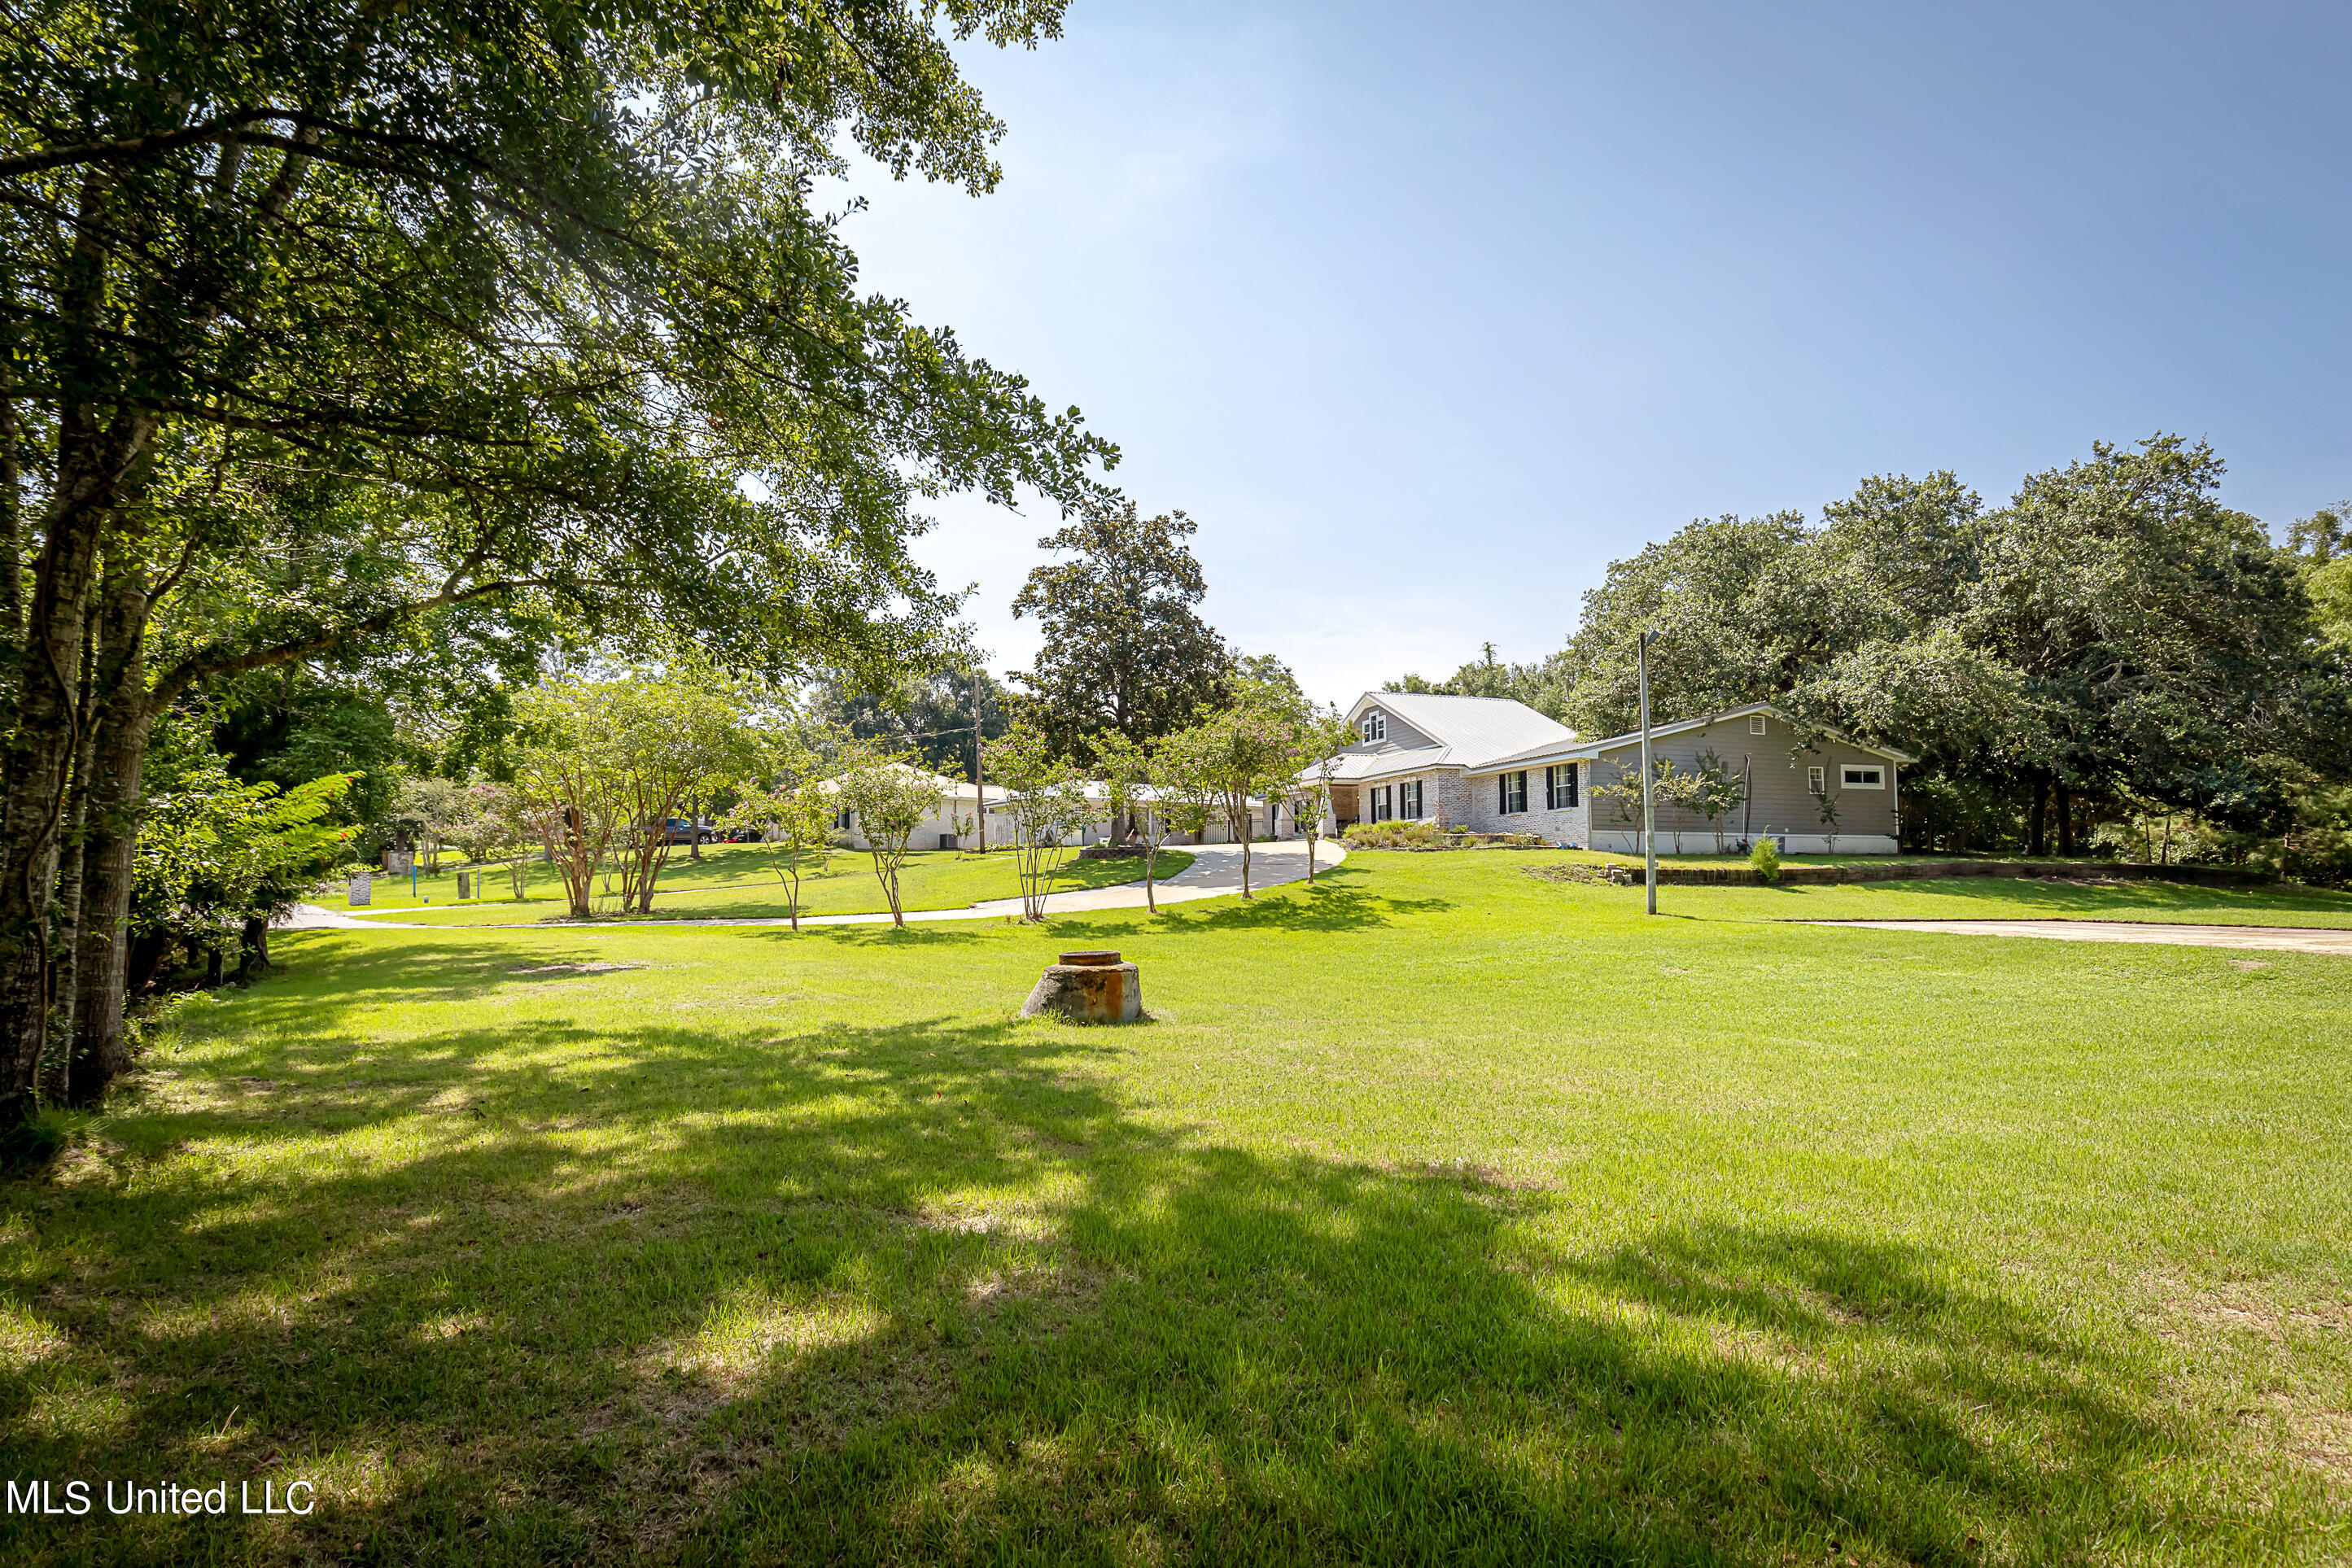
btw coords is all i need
(1393, 835)
(1766, 859)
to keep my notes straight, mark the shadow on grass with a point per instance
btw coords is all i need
(929, 1292)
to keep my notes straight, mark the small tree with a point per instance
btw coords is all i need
(218, 861)
(483, 823)
(1322, 735)
(793, 817)
(1183, 799)
(674, 739)
(1247, 750)
(1623, 797)
(891, 798)
(1714, 791)
(570, 774)
(1130, 776)
(1047, 804)
(1826, 806)
(429, 812)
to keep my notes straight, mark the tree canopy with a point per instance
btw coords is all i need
(1124, 648)
(2113, 634)
(320, 322)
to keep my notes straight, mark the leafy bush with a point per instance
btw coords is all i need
(1392, 836)
(1765, 858)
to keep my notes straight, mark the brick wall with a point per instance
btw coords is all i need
(1481, 796)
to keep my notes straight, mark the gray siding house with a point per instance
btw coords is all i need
(1498, 766)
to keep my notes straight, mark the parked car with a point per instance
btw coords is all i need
(740, 836)
(678, 831)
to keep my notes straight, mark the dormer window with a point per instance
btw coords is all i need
(1375, 725)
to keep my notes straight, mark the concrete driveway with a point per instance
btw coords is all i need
(1215, 873)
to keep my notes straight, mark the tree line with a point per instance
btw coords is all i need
(2111, 648)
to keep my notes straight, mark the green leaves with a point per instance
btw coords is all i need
(1124, 649)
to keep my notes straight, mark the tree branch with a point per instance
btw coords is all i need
(197, 667)
(135, 147)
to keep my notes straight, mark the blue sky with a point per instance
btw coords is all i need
(1427, 313)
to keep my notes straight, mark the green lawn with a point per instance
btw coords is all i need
(737, 881)
(1708, 857)
(1441, 1214)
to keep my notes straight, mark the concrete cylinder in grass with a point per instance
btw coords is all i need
(1088, 988)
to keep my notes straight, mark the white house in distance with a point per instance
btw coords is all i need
(1499, 767)
(958, 803)
(957, 799)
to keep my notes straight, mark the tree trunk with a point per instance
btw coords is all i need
(2035, 815)
(2065, 802)
(124, 717)
(39, 767)
(212, 966)
(253, 944)
(56, 1050)
(146, 955)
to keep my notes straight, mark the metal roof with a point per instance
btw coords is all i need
(1470, 732)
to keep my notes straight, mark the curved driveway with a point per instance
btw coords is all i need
(1215, 873)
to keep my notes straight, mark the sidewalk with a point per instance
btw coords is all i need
(1215, 873)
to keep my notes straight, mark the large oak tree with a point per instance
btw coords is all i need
(318, 318)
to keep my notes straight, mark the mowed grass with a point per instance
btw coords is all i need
(739, 882)
(1440, 1214)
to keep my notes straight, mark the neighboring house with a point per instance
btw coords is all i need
(956, 799)
(1498, 766)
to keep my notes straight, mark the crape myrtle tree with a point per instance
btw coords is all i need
(571, 779)
(318, 318)
(1323, 735)
(1251, 748)
(1047, 803)
(788, 804)
(1124, 648)
(888, 797)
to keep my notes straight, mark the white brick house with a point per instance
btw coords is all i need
(1498, 766)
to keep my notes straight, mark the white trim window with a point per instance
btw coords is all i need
(1862, 776)
(1375, 725)
(1384, 803)
(1756, 725)
(1559, 787)
(1409, 799)
(1513, 793)
(1817, 781)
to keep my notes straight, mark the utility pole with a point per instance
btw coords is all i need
(979, 775)
(1649, 811)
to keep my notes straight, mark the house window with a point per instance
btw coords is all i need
(1559, 787)
(1756, 723)
(1409, 799)
(1514, 791)
(1857, 776)
(1376, 725)
(1813, 781)
(845, 821)
(1384, 803)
